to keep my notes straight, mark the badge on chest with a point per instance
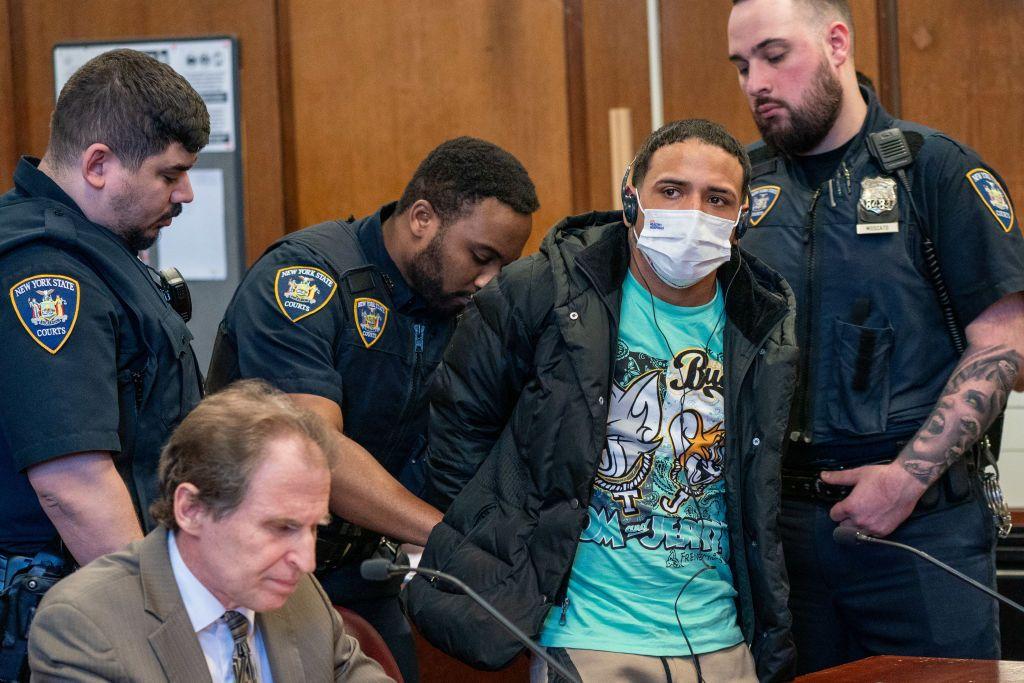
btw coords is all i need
(878, 209)
(371, 318)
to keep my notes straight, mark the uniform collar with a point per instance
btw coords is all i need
(32, 182)
(371, 239)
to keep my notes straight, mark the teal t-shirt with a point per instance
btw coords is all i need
(653, 560)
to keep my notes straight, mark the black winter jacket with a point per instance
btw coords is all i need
(518, 422)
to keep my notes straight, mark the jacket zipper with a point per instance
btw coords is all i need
(137, 381)
(418, 331)
(565, 608)
(804, 431)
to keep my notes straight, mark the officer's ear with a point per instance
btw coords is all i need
(97, 163)
(423, 220)
(839, 43)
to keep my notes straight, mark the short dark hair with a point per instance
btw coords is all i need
(219, 445)
(708, 132)
(461, 172)
(130, 102)
(825, 9)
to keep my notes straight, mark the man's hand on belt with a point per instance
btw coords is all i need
(882, 497)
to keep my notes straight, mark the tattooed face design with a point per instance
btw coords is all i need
(973, 397)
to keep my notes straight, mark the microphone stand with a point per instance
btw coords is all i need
(843, 536)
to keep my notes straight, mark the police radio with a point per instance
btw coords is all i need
(176, 292)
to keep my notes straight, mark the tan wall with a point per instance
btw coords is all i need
(375, 86)
(341, 98)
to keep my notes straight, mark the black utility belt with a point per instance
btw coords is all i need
(952, 487)
(13, 565)
(341, 544)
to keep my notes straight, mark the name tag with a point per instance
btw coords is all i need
(877, 228)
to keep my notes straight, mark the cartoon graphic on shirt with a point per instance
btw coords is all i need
(660, 478)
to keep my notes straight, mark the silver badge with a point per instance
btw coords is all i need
(878, 195)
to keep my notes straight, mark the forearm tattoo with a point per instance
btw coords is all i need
(973, 397)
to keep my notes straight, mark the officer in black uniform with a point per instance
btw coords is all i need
(351, 318)
(885, 395)
(97, 367)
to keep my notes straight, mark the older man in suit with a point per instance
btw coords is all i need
(221, 590)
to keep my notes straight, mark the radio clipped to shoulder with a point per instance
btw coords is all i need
(176, 292)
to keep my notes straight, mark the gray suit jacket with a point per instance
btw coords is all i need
(121, 618)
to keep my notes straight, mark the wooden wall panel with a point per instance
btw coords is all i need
(37, 25)
(698, 79)
(375, 86)
(8, 145)
(615, 75)
(962, 66)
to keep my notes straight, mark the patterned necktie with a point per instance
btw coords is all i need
(241, 658)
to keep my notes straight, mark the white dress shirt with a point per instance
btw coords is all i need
(205, 612)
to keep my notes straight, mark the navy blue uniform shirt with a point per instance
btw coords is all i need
(875, 353)
(327, 312)
(94, 358)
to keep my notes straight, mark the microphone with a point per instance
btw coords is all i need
(847, 535)
(380, 569)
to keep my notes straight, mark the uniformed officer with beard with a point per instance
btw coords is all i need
(885, 395)
(351, 318)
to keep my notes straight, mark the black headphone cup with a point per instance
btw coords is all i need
(741, 227)
(630, 209)
(630, 206)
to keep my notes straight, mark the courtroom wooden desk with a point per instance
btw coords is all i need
(890, 669)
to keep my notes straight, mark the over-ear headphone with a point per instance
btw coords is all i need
(744, 219)
(630, 205)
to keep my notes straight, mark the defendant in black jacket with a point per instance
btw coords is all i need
(605, 437)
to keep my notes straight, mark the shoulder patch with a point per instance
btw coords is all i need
(993, 195)
(47, 307)
(371, 317)
(302, 291)
(762, 199)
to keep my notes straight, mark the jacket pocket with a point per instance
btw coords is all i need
(860, 376)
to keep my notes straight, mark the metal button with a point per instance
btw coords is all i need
(756, 441)
(761, 352)
(600, 401)
(574, 316)
(574, 504)
(58, 212)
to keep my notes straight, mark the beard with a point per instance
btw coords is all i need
(809, 123)
(427, 278)
(127, 226)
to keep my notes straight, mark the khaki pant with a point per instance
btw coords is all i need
(721, 666)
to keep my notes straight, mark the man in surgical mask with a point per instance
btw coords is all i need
(605, 435)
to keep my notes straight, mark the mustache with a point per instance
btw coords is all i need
(175, 210)
(768, 100)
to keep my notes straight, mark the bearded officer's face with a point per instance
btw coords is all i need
(793, 91)
(465, 253)
(141, 203)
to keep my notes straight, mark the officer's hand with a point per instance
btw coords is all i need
(882, 497)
